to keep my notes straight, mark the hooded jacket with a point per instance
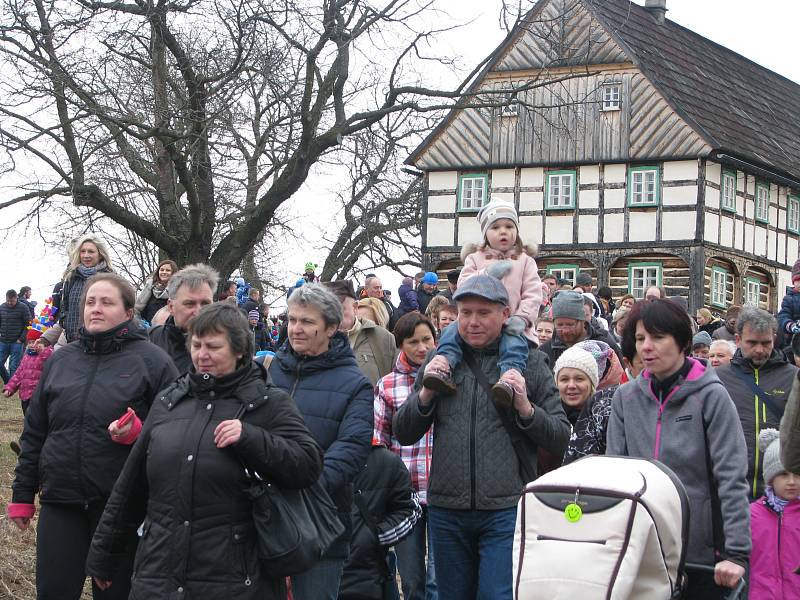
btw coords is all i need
(198, 535)
(172, 340)
(790, 311)
(335, 400)
(474, 465)
(695, 431)
(27, 375)
(555, 347)
(776, 552)
(68, 455)
(408, 300)
(522, 283)
(775, 377)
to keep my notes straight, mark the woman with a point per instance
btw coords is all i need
(707, 322)
(71, 455)
(434, 306)
(415, 337)
(88, 255)
(335, 399)
(587, 376)
(185, 476)
(374, 310)
(721, 352)
(154, 295)
(678, 412)
(627, 301)
(618, 323)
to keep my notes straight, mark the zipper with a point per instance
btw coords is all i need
(758, 430)
(662, 404)
(297, 376)
(89, 383)
(472, 458)
(547, 538)
(778, 566)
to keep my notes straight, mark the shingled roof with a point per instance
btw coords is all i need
(737, 105)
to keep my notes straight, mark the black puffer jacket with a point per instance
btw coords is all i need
(198, 541)
(66, 448)
(13, 322)
(172, 340)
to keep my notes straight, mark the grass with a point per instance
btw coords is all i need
(18, 554)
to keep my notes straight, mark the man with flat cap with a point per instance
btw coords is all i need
(483, 455)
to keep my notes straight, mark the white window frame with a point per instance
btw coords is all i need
(561, 200)
(649, 275)
(563, 272)
(728, 191)
(752, 290)
(762, 203)
(469, 202)
(719, 289)
(645, 197)
(793, 214)
(612, 96)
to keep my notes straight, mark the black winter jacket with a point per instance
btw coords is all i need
(14, 321)
(68, 455)
(335, 400)
(198, 541)
(555, 347)
(172, 340)
(383, 488)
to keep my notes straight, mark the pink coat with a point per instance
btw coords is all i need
(522, 283)
(776, 552)
(27, 375)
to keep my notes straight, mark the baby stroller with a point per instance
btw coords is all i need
(603, 527)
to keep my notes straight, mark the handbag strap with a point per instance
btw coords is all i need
(758, 391)
(469, 358)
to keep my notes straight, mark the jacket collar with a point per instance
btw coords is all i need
(248, 385)
(112, 340)
(338, 354)
(775, 360)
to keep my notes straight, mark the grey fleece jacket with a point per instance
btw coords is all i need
(474, 465)
(697, 414)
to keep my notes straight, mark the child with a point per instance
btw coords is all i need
(701, 344)
(260, 335)
(503, 256)
(27, 375)
(408, 297)
(544, 329)
(775, 525)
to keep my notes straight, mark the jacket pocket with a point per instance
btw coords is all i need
(243, 545)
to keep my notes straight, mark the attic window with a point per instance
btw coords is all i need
(511, 107)
(612, 96)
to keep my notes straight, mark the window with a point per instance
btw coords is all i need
(643, 186)
(567, 272)
(719, 287)
(762, 203)
(752, 292)
(612, 94)
(560, 192)
(727, 192)
(641, 276)
(793, 222)
(472, 191)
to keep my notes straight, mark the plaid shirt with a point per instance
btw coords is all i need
(390, 394)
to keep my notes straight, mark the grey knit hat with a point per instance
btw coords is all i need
(769, 443)
(701, 338)
(568, 305)
(495, 210)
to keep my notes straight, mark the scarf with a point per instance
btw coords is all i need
(159, 291)
(774, 501)
(87, 272)
(73, 289)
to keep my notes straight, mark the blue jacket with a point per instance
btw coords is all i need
(790, 311)
(335, 400)
(408, 299)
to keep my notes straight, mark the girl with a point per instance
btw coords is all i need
(501, 255)
(26, 377)
(154, 294)
(775, 522)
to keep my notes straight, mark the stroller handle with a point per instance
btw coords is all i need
(735, 593)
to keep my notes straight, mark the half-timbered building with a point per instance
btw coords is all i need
(642, 153)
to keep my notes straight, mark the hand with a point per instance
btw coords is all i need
(794, 327)
(521, 403)
(727, 573)
(21, 522)
(515, 325)
(7, 393)
(227, 433)
(102, 584)
(122, 426)
(499, 269)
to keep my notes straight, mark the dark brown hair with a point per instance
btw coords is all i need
(225, 318)
(126, 291)
(407, 325)
(166, 261)
(658, 316)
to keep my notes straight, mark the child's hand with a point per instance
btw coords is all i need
(499, 269)
(7, 393)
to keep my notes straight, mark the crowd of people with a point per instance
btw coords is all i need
(147, 414)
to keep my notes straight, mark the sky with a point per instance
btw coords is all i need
(765, 32)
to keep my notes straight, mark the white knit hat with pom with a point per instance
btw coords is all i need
(578, 358)
(769, 444)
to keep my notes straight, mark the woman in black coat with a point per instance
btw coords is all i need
(185, 476)
(73, 447)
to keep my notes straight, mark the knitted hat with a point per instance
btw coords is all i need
(568, 305)
(408, 281)
(578, 358)
(769, 444)
(599, 351)
(310, 267)
(430, 278)
(796, 270)
(497, 209)
(701, 338)
(583, 279)
(33, 334)
(253, 314)
(620, 313)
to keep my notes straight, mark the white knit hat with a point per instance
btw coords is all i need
(770, 444)
(578, 358)
(495, 210)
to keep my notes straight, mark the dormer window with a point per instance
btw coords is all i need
(612, 96)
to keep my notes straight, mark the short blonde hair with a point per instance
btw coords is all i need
(705, 313)
(377, 308)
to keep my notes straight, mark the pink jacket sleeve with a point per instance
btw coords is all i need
(14, 383)
(470, 269)
(531, 291)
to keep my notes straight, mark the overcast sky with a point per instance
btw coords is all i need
(765, 32)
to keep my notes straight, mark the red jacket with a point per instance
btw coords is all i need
(26, 377)
(776, 552)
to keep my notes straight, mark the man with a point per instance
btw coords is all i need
(373, 346)
(583, 283)
(728, 330)
(654, 293)
(571, 326)
(14, 320)
(551, 280)
(190, 289)
(426, 290)
(25, 298)
(452, 283)
(373, 288)
(252, 302)
(475, 479)
(758, 379)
